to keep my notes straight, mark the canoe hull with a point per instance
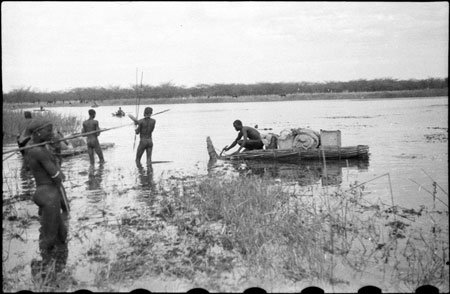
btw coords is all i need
(290, 155)
(83, 149)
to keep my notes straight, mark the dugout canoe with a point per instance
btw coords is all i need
(83, 149)
(292, 155)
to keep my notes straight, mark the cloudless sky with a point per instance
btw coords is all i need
(53, 46)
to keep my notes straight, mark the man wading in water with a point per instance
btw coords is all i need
(145, 128)
(92, 141)
(251, 138)
(48, 178)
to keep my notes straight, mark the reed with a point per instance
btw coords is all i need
(269, 230)
(14, 122)
(306, 237)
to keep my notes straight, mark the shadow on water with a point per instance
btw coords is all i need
(305, 173)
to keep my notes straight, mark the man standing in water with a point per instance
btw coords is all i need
(145, 128)
(48, 178)
(251, 138)
(92, 141)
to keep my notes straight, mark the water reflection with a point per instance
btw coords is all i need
(306, 173)
(95, 177)
(146, 177)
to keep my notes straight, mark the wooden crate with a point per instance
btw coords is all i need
(330, 138)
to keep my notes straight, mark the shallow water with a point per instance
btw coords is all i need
(408, 138)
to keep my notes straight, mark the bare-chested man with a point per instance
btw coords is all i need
(92, 141)
(48, 178)
(251, 138)
(145, 128)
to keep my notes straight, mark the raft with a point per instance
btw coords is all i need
(83, 149)
(118, 115)
(293, 155)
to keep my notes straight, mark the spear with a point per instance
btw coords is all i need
(138, 102)
(133, 118)
(62, 139)
(77, 135)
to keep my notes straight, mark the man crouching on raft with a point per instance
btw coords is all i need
(48, 178)
(251, 138)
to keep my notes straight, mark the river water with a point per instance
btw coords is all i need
(408, 140)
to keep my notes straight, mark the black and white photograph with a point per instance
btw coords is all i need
(223, 146)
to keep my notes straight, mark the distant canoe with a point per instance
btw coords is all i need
(292, 155)
(40, 109)
(83, 149)
(118, 115)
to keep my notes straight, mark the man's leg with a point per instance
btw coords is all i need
(149, 149)
(51, 231)
(254, 145)
(91, 155)
(99, 152)
(139, 152)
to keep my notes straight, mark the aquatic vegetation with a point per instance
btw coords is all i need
(205, 229)
(14, 122)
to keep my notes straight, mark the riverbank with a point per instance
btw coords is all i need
(425, 93)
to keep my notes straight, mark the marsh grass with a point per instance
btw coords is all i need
(14, 122)
(307, 237)
(254, 223)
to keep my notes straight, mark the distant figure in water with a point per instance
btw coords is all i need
(120, 112)
(145, 128)
(42, 108)
(92, 141)
(248, 138)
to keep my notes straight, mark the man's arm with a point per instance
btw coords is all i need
(97, 128)
(50, 168)
(234, 142)
(244, 134)
(138, 129)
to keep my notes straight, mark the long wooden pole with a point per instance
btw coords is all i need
(66, 138)
(75, 136)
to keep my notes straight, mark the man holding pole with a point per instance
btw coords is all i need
(145, 128)
(48, 195)
(91, 125)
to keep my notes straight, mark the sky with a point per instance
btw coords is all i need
(58, 46)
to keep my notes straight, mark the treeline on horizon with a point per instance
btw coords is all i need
(169, 90)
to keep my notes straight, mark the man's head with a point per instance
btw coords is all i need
(237, 124)
(27, 114)
(91, 113)
(148, 111)
(40, 129)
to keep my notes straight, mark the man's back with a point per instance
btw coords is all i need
(89, 126)
(252, 133)
(146, 127)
